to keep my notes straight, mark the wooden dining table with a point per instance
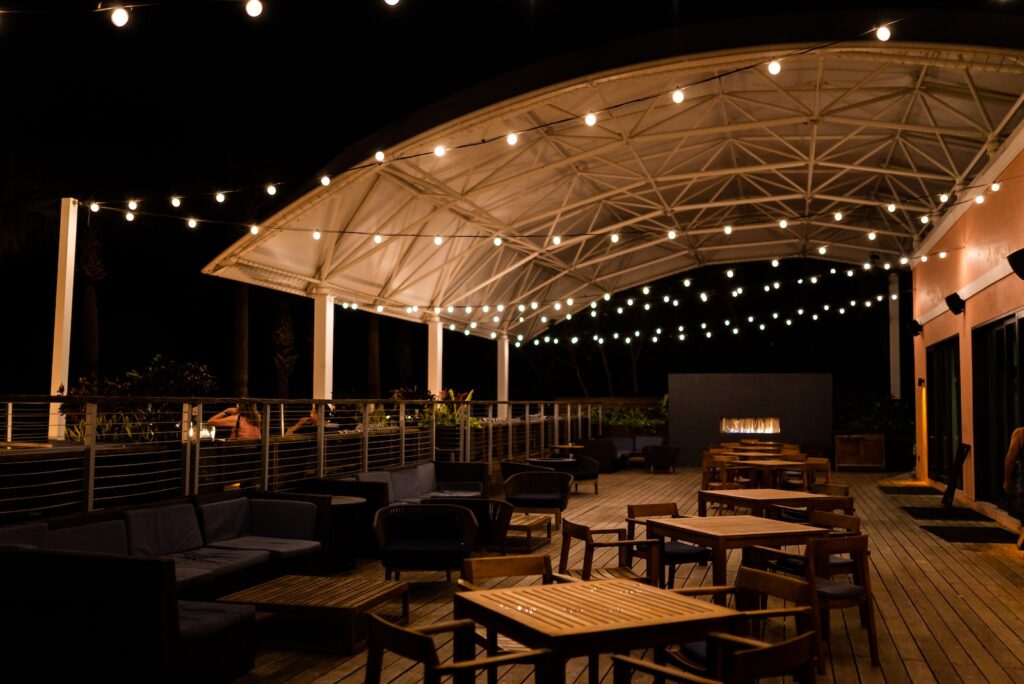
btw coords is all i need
(586, 618)
(722, 533)
(759, 501)
(767, 468)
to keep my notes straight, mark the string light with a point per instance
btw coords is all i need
(728, 230)
(377, 239)
(883, 33)
(511, 138)
(686, 282)
(703, 296)
(838, 216)
(775, 263)
(133, 205)
(129, 216)
(942, 255)
(556, 240)
(316, 235)
(192, 223)
(924, 219)
(980, 199)
(325, 181)
(379, 156)
(891, 207)
(678, 96)
(119, 16)
(254, 229)
(615, 237)
(783, 224)
(254, 8)
(590, 119)
(219, 197)
(904, 260)
(995, 187)
(872, 235)
(774, 68)
(822, 250)
(671, 235)
(94, 207)
(943, 198)
(271, 189)
(497, 241)
(390, 3)
(438, 240)
(924, 258)
(175, 202)
(730, 273)
(439, 151)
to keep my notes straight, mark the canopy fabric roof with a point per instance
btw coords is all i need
(847, 128)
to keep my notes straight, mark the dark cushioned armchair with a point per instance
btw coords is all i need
(492, 518)
(424, 537)
(539, 492)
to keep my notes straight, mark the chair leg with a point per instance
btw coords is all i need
(387, 572)
(374, 662)
(595, 486)
(872, 635)
(593, 670)
(558, 520)
(448, 575)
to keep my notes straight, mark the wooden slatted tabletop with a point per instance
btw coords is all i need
(584, 618)
(757, 500)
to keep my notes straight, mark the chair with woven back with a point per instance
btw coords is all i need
(751, 593)
(828, 595)
(739, 661)
(673, 553)
(417, 643)
(622, 544)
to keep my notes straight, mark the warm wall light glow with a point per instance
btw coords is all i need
(590, 119)
(511, 138)
(678, 96)
(119, 17)
(774, 68)
(254, 8)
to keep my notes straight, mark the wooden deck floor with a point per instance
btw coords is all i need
(946, 612)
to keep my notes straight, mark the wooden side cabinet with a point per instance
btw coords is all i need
(860, 451)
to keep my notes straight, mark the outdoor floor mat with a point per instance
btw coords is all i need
(943, 513)
(909, 489)
(972, 535)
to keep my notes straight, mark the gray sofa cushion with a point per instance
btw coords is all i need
(186, 576)
(426, 479)
(279, 518)
(218, 561)
(109, 536)
(199, 619)
(276, 546)
(26, 534)
(379, 476)
(224, 519)
(405, 484)
(163, 530)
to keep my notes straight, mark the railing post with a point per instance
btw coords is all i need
(579, 421)
(197, 419)
(590, 422)
(526, 419)
(186, 439)
(365, 458)
(508, 430)
(281, 429)
(490, 433)
(433, 428)
(543, 420)
(265, 475)
(600, 419)
(321, 453)
(10, 421)
(90, 456)
(464, 434)
(401, 433)
(554, 437)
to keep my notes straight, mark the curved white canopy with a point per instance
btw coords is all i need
(849, 128)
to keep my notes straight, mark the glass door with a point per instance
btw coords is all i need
(997, 406)
(943, 405)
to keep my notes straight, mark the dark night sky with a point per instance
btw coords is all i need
(195, 96)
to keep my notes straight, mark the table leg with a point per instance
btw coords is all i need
(718, 569)
(702, 504)
(463, 649)
(551, 670)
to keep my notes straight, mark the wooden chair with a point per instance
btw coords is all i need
(818, 466)
(622, 543)
(750, 595)
(673, 553)
(418, 644)
(490, 567)
(829, 595)
(829, 488)
(739, 660)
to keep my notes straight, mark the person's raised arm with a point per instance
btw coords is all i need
(225, 418)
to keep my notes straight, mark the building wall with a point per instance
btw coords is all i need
(978, 242)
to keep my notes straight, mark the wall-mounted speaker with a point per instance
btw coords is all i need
(955, 303)
(1016, 260)
(915, 328)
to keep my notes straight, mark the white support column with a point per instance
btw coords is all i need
(435, 355)
(894, 336)
(503, 376)
(62, 311)
(323, 346)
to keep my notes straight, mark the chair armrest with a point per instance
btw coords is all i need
(660, 670)
(449, 626)
(777, 553)
(704, 591)
(559, 578)
(609, 530)
(464, 585)
(506, 659)
(736, 642)
(643, 521)
(626, 542)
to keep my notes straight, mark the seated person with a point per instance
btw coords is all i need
(243, 419)
(306, 425)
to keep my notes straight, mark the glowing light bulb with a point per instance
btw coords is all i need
(175, 202)
(615, 238)
(325, 181)
(379, 156)
(849, 273)
(129, 216)
(192, 223)
(872, 235)
(814, 280)
(730, 273)
(254, 229)
(607, 296)
(686, 282)
(703, 296)
(727, 230)
(678, 96)
(924, 258)
(943, 255)
(133, 205)
(439, 151)
(886, 265)
(219, 197)
(822, 250)
(534, 305)
(996, 187)
(558, 306)
(883, 33)
(556, 240)
(254, 8)
(390, 3)
(94, 207)
(119, 17)
(943, 198)
(438, 240)
(629, 302)
(511, 138)
(378, 238)
(783, 224)
(774, 68)
(891, 207)
(867, 266)
(590, 119)
(925, 219)
(904, 260)
(380, 308)
(500, 308)
(671, 235)
(271, 189)
(316, 235)
(838, 216)
(775, 263)
(980, 199)
(497, 241)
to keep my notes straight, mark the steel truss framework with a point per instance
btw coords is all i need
(850, 128)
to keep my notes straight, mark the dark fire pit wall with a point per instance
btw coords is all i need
(698, 401)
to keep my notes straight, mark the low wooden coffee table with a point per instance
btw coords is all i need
(338, 601)
(530, 523)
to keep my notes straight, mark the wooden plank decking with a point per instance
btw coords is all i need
(945, 612)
